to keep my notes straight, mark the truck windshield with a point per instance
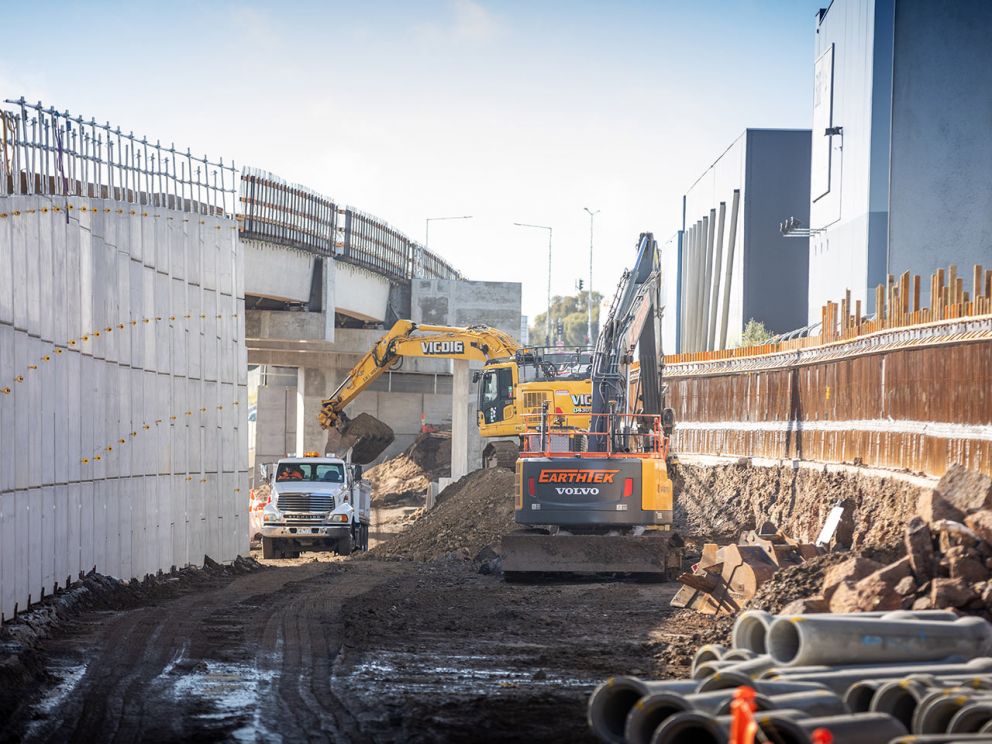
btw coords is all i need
(305, 471)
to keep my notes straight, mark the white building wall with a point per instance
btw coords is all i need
(124, 427)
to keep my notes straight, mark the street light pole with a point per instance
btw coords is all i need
(592, 216)
(427, 226)
(547, 330)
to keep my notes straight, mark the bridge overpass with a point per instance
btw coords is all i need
(321, 281)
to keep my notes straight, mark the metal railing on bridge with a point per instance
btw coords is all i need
(52, 153)
(280, 212)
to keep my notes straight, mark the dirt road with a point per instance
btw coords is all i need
(347, 650)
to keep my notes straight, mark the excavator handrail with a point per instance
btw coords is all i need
(540, 437)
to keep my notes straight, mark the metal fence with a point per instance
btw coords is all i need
(51, 153)
(280, 212)
(274, 210)
(370, 242)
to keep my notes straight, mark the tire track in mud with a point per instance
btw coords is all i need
(251, 660)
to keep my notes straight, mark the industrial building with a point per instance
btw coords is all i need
(901, 153)
(730, 262)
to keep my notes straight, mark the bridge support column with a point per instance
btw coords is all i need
(301, 419)
(459, 418)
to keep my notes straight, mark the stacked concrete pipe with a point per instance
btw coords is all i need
(817, 670)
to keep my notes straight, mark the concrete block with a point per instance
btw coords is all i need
(46, 516)
(19, 264)
(101, 523)
(115, 526)
(6, 272)
(33, 290)
(35, 561)
(63, 567)
(8, 556)
(44, 265)
(22, 547)
(8, 410)
(74, 539)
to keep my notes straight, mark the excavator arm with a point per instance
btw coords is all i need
(408, 339)
(404, 339)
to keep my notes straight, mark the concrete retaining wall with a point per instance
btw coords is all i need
(124, 447)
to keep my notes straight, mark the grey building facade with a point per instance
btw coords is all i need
(730, 263)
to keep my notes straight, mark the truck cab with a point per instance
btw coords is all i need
(317, 503)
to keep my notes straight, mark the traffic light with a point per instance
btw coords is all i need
(580, 283)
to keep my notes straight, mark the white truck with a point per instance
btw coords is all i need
(317, 503)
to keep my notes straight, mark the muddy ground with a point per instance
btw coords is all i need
(376, 649)
(347, 650)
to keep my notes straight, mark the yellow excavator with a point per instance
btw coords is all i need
(516, 384)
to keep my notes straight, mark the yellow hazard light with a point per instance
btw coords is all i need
(311, 454)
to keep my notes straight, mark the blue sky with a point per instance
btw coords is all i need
(508, 111)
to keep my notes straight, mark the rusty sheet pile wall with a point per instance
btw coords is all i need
(892, 392)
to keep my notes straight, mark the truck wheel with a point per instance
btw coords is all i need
(344, 546)
(269, 548)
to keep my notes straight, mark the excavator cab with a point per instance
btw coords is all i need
(496, 393)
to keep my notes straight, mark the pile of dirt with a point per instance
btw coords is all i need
(722, 501)
(471, 514)
(404, 479)
(677, 654)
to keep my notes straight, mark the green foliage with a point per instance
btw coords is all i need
(755, 333)
(572, 311)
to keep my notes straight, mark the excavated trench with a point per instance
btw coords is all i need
(391, 649)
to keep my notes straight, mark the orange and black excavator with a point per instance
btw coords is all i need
(596, 497)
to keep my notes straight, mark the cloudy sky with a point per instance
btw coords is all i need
(508, 111)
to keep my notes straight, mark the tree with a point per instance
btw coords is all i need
(755, 334)
(571, 312)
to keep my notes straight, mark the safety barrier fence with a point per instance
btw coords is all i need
(51, 153)
(279, 212)
(911, 389)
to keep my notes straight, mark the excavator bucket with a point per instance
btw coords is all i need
(534, 555)
(366, 435)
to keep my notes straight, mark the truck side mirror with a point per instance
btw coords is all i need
(263, 472)
(358, 472)
(476, 376)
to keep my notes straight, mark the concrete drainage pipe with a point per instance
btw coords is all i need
(610, 703)
(805, 640)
